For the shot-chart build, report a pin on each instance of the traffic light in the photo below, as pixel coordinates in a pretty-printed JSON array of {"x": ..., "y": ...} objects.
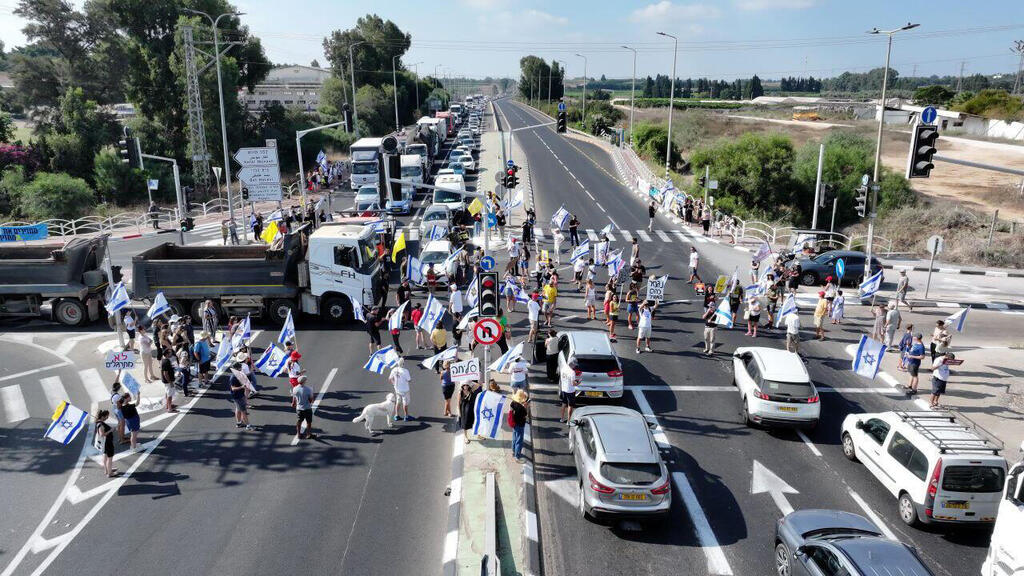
[
  {"x": 922, "y": 148},
  {"x": 245, "y": 193},
  {"x": 346, "y": 113},
  {"x": 702, "y": 181},
  {"x": 395, "y": 171},
  {"x": 488, "y": 290},
  {"x": 128, "y": 147},
  {"x": 862, "y": 201},
  {"x": 560, "y": 125}
]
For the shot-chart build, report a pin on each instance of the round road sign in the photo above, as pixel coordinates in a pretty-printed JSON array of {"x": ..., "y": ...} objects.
[
  {"x": 487, "y": 263},
  {"x": 486, "y": 331},
  {"x": 928, "y": 115}
]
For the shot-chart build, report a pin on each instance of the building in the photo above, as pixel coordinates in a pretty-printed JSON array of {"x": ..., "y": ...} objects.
[{"x": 290, "y": 86}]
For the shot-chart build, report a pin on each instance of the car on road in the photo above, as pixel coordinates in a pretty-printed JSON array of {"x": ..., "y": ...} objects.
[
  {"x": 620, "y": 470},
  {"x": 775, "y": 388},
  {"x": 834, "y": 543},
  {"x": 469, "y": 143},
  {"x": 456, "y": 166},
  {"x": 465, "y": 151},
  {"x": 940, "y": 466},
  {"x": 466, "y": 159},
  {"x": 436, "y": 252},
  {"x": 814, "y": 270},
  {"x": 587, "y": 358},
  {"x": 403, "y": 206},
  {"x": 367, "y": 194},
  {"x": 435, "y": 215}
]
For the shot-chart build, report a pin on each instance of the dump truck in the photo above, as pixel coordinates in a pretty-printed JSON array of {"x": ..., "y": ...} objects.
[{"x": 69, "y": 277}]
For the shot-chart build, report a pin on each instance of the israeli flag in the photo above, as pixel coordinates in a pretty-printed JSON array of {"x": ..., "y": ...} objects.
[
  {"x": 510, "y": 284},
  {"x": 473, "y": 293},
  {"x": 442, "y": 356},
  {"x": 869, "y": 357},
  {"x": 788, "y": 307},
  {"x": 560, "y": 217},
  {"x": 723, "y": 315},
  {"x": 242, "y": 334},
  {"x": 414, "y": 270},
  {"x": 224, "y": 350},
  {"x": 451, "y": 260},
  {"x": 490, "y": 409},
  {"x": 378, "y": 225},
  {"x": 275, "y": 215},
  {"x": 252, "y": 221},
  {"x": 159, "y": 306},
  {"x": 609, "y": 228},
  {"x": 381, "y": 360},
  {"x": 507, "y": 358},
  {"x": 288, "y": 330},
  {"x": 321, "y": 159},
  {"x": 518, "y": 293},
  {"x": 615, "y": 263},
  {"x": 763, "y": 251},
  {"x": 515, "y": 201},
  {"x": 118, "y": 298},
  {"x": 395, "y": 322},
  {"x": 734, "y": 281},
  {"x": 272, "y": 362},
  {"x": 432, "y": 313},
  {"x": 958, "y": 320},
  {"x": 470, "y": 315},
  {"x": 437, "y": 232},
  {"x": 753, "y": 290},
  {"x": 870, "y": 287},
  {"x": 580, "y": 251},
  {"x": 67, "y": 423},
  {"x": 357, "y": 309}
]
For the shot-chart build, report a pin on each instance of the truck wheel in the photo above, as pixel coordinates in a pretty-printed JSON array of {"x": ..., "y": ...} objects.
[
  {"x": 70, "y": 312},
  {"x": 278, "y": 310},
  {"x": 179, "y": 307},
  {"x": 336, "y": 309}
]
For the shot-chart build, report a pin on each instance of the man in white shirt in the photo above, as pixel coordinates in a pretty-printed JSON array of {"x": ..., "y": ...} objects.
[
  {"x": 577, "y": 272},
  {"x": 513, "y": 249},
  {"x": 940, "y": 376},
  {"x": 400, "y": 378},
  {"x": 567, "y": 398},
  {"x": 519, "y": 370},
  {"x": 455, "y": 300},
  {"x": 643, "y": 328},
  {"x": 793, "y": 332},
  {"x": 694, "y": 261},
  {"x": 533, "y": 313},
  {"x": 556, "y": 235}
]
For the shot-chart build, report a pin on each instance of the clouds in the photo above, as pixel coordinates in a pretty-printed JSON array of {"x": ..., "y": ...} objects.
[
  {"x": 545, "y": 18},
  {"x": 754, "y": 5},
  {"x": 665, "y": 11}
]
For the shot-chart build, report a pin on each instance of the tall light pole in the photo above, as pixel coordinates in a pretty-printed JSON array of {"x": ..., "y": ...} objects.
[
  {"x": 878, "y": 145},
  {"x": 584, "y": 90},
  {"x": 352, "y": 71},
  {"x": 671, "y": 100},
  {"x": 394, "y": 82},
  {"x": 220, "y": 95},
  {"x": 538, "y": 85},
  {"x": 632, "y": 94},
  {"x": 416, "y": 66}
]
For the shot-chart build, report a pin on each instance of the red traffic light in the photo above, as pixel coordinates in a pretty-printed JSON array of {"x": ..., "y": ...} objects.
[
  {"x": 511, "y": 172},
  {"x": 488, "y": 283}
]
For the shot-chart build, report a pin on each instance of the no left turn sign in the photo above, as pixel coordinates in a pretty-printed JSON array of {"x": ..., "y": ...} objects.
[{"x": 487, "y": 331}]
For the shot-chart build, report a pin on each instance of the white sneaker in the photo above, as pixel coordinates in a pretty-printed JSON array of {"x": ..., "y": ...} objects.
[
  {"x": 638, "y": 350},
  {"x": 647, "y": 349}
]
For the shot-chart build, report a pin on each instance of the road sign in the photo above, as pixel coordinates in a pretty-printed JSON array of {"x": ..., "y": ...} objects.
[
  {"x": 864, "y": 180},
  {"x": 510, "y": 163},
  {"x": 713, "y": 185},
  {"x": 256, "y": 156},
  {"x": 928, "y": 115},
  {"x": 259, "y": 176},
  {"x": 486, "y": 331},
  {"x": 492, "y": 220},
  {"x": 153, "y": 184},
  {"x": 119, "y": 360},
  {"x": 840, "y": 268},
  {"x": 561, "y": 106},
  {"x": 487, "y": 263},
  {"x": 466, "y": 371},
  {"x": 935, "y": 244},
  {"x": 499, "y": 178},
  {"x": 22, "y": 233},
  {"x": 260, "y": 172}
]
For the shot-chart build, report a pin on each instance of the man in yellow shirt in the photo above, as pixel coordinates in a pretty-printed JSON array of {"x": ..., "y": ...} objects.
[
  {"x": 550, "y": 298},
  {"x": 820, "y": 312}
]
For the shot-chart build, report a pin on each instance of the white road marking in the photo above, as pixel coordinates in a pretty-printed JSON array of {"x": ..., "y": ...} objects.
[
  {"x": 319, "y": 397},
  {"x": 611, "y": 237},
  {"x": 626, "y": 235},
  {"x": 33, "y": 371},
  {"x": 807, "y": 441},
  {"x": 601, "y": 207},
  {"x": 451, "y": 539},
  {"x": 871, "y": 514},
  {"x": 54, "y": 390},
  {"x": 592, "y": 235},
  {"x": 67, "y": 344},
  {"x": 14, "y": 403},
  {"x": 643, "y": 235},
  {"x": 664, "y": 237},
  {"x": 93, "y": 383},
  {"x": 680, "y": 235}
]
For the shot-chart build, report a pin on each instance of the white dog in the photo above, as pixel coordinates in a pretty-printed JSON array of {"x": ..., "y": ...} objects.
[{"x": 371, "y": 412}]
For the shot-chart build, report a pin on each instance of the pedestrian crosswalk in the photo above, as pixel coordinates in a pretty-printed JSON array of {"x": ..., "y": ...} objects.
[{"x": 38, "y": 397}]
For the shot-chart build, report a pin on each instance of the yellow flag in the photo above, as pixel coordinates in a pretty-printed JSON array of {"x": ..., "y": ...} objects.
[
  {"x": 475, "y": 206},
  {"x": 270, "y": 233},
  {"x": 399, "y": 246}
]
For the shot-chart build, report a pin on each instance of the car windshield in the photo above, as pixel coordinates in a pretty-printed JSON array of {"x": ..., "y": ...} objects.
[
  {"x": 596, "y": 364},
  {"x": 792, "y": 389},
  {"x": 973, "y": 479},
  {"x": 366, "y": 206},
  {"x": 631, "y": 473},
  {"x": 433, "y": 257},
  {"x": 364, "y": 167},
  {"x": 409, "y": 171},
  {"x": 442, "y": 196},
  {"x": 432, "y": 216},
  {"x": 823, "y": 258}
]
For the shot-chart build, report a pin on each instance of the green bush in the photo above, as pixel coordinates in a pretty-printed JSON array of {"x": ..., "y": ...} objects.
[
  {"x": 649, "y": 142},
  {"x": 118, "y": 183},
  {"x": 683, "y": 104},
  {"x": 998, "y": 104},
  {"x": 52, "y": 195}
]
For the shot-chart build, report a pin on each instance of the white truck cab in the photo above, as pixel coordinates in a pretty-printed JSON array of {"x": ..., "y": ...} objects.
[
  {"x": 343, "y": 269},
  {"x": 1006, "y": 552},
  {"x": 450, "y": 191}
]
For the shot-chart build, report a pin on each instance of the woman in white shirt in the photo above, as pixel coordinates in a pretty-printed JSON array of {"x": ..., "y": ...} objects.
[{"x": 146, "y": 351}]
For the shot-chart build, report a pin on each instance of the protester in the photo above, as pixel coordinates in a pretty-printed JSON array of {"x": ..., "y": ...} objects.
[
  {"x": 447, "y": 387},
  {"x": 878, "y": 327},
  {"x": 105, "y": 438},
  {"x": 506, "y": 331},
  {"x": 893, "y": 320},
  {"x": 904, "y": 347},
  {"x": 439, "y": 340},
  {"x": 132, "y": 423},
  {"x": 400, "y": 379},
  {"x": 421, "y": 335},
  {"x": 519, "y": 408},
  {"x": 146, "y": 351},
  {"x": 396, "y": 333},
  {"x": 820, "y": 311},
  {"x": 203, "y": 353},
  {"x": 533, "y": 315},
  {"x": 117, "y": 398},
  {"x": 838, "y": 308},
  {"x": 632, "y": 308},
  {"x": 209, "y": 319},
  {"x": 830, "y": 293},
  {"x": 792, "y": 321},
  {"x": 550, "y": 293},
  {"x": 373, "y": 322},
  {"x": 612, "y": 314},
  {"x": 902, "y": 286},
  {"x": 574, "y": 230},
  {"x": 237, "y": 392},
  {"x": 940, "y": 339},
  {"x": 551, "y": 355},
  {"x": 735, "y": 299},
  {"x": 940, "y": 376},
  {"x": 772, "y": 295},
  {"x": 710, "y": 325},
  {"x": 753, "y": 314},
  {"x": 914, "y": 358},
  {"x": 467, "y": 402},
  {"x": 302, "y": 396},
  {"x": 129, "y": 328},
  {"x": 652, "y": 211},
  {"x": 694, "y": 262},
  {"x": 590, "y": 299}
]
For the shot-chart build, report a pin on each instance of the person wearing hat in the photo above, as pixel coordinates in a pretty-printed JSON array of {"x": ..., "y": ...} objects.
[
  {"x": 913, "y": 362},
  {"x": 294, "y": 368},
  {"x": 533, "y": 315},
  {"x": 820, "y": 312},
  {"x": 519, "y": 369},
  {"x": 893, "y": 321},
  {"x": 246, "y": 362},
  {"x": 236, "y": 389},
  {"x": 830, "y": 292},
  {"x": 202, "y": 351},
  {"x": 519, "y": 408},
  {"x": 902, "y": 285}
]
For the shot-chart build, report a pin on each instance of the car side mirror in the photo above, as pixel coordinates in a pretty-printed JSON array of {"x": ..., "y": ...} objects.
[
  {"x": 801, "y": 552},
  {"x": 652, "y": 425},
  {"x": 859, "y": 425}
]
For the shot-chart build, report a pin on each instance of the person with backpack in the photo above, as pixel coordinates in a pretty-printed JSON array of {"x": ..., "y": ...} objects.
[{"x": 518, "y": 413}]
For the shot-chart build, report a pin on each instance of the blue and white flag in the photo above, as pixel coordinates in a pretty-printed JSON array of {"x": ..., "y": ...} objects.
[
  {"x": 437, "y": 232},
  {"x": 159, "y": 306},
  {"x": 381, "y": 360},
  {"x": 507, "y": 358},
  {"x": 357, "y": 309},
  {"x": 609, "y": 228},
  {"x": 272, "y": 362},
  {"x": 451, "y": 260},
  {"x": 580, "y": 251},
  {"x": 869, "y": 357},
  {"x": 378, "y": 225},
  {"x": 118, "y": 298},
  {"x": 788, "y": 307},
  {"x": 510, "y": 284},
  {"x": 414, "y": 270},
  {"x": 734, "y": 281},
  {"x": 275, "y": 215},
  {"x": 67, "y": 423},
  {"x": 287, "y": 331},
  {"x": 753, "y": 290},
  {"x": 432, "y": 313},
  {"x": 957, "y": 320},
  {"x": 473, "y": 293},
  {"x": 395, "y": 320},
  {"x": 252, "y": 221},
  {"x": 242, "y": 334},
  {"x": 869, "y": 287},
  {"x": 469, "y": 316},
  {"x": 490, "y": 409},
  {"x": 442, "y": 356},
  {"x": 723, "y": 315},
  {"x": 321, "y": 160},
  {"x": 615, "y": 264},
  {"x": 515, "y": 201},
  {"x": 560, "y": 217},
  {"x": 601, "y": 253},
  {"x": 223, "y": 355},
  {"x": 763, "y": 251}
]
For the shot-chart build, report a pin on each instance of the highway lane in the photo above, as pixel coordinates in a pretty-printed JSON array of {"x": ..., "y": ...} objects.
[{"x": 710, "y": 444}]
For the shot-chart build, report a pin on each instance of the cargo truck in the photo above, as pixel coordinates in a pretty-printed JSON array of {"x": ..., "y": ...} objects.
[
  {"x": 363, "y": 155},
  {"x": 321, "y": 272},
  {"x": 1006, "y": 551},
  {"x": 69, "y": 277}
]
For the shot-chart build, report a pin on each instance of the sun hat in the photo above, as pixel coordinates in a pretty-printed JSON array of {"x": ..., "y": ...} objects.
[
  {"x": 295, "y": 355},
  {"x": 519, "y": 396}
]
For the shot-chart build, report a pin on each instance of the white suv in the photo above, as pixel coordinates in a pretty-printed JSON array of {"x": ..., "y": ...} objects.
[
  {"x": 940, "y": 466},
  {"x": 775, "y": 388},
  {"x": 587, "y": 358}
]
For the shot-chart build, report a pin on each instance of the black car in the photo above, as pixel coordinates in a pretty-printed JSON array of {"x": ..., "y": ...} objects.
[{"x": 815, "y": 269}]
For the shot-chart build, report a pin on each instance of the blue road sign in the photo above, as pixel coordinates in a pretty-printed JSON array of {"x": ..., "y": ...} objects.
[
  {"x": 492, "y": 220},
  {"x": 561, "y": 106},
  {"x": 487, "y": 263},
  {"x": 928, "y": 115},
  {"x": 23, "y": 233},
  {"x": 840, "y": 268},
  {"x": 510, "y": 163}
]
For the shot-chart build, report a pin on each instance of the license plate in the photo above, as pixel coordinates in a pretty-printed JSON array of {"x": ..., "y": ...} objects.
[
  {"x": 592, "y": 394},
  {"x": 787, "y": 409},
  {"x": 636, "y": 496},
  {"x": 957, "y": 504}
]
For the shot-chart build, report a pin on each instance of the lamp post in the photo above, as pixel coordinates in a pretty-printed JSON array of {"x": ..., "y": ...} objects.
[
  {"x": 394, "y": 83},
  {"x": 416, "y": 66},
  {"x": 632, "y": 93},
  {"x": 352, "y": 71},
  {"x": 671, "y": 100},
  {"x": 584, "y": 90},
  {"x": 878, "y": 145},
  {"x": 220, "y": 95}
]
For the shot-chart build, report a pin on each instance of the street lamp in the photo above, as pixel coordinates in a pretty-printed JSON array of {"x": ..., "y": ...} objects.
[
  {"x": 584, "y": 90},
  {"x": 352, "y": 71},
  {"x": 632, "y": 93},
  {"x": 220, "y": 94},
  {"x": 416, "y": 66},
  {"x": 671, "y": 101},
  {"x": 394, "y": 82},
  {"x": 878, "y": 144}
]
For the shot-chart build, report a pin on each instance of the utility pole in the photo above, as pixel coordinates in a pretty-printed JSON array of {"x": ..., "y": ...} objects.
[
  {"x": 632, "y": 94},
  {"x": 671, "y": 101},
  {"x": 352, "y": 72},
  {"x": 394, "y": 82},
  {"x": 1018, "y": 47},
  {"x": 584, "y": 90},
  {"x": 817, "y": 187},
  {"x": 960, "y": 79},
  {"x": 196, "y": 127}
]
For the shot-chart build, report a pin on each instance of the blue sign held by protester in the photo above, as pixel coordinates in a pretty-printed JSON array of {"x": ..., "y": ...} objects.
[
  {"x": 492, "y": 220},
  {"x": 487, "y": 263},
  {"x": 840, "y": 268},
  {"x": 929, "y": 114},
  {"x": 24, "y": 233}
]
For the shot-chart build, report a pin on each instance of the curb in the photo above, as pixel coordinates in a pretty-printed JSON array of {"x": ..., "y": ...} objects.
[
  {"x": 971, "y": 272},
  {"x": 450, "y": 548},
  {"x": 531, "y": 526},
  {"x": 1002, "y": 306}
]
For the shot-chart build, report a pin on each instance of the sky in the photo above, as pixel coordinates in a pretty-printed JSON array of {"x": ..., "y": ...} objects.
[{"x": 724, "y": 39}]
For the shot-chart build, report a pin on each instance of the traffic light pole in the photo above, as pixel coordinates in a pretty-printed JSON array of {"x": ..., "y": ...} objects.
[{"x": 182, "y": 212}]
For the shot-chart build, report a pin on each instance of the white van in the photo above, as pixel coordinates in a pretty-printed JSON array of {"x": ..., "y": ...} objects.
[
  {"x": 412, "y": 169},
  {"x": 940, "y": 466},
  {"x": 1005, "y": 554},
  {"x": 451, "y": 192}
]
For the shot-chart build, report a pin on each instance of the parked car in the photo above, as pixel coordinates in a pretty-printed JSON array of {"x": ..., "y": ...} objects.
[
  {"x": 775, "y": 388},
  {"x": 620, "y": 470},
  {"x": 1004, "y": 557},
  {"x": 435, "y": 215},
  {"x": 940, "y": 466},
  {"x": 436, "y": 252},
  {"x": 813, "y": 271},
  {"x": 588, "y": 359},
  {"x": 831, "y": 542}
]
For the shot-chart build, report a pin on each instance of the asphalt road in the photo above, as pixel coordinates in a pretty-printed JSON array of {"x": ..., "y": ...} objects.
[{"x": 730, "y": 530}]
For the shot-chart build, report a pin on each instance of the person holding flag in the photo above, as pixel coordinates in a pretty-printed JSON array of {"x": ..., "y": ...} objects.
[
  {"x": 559, "y": 218},
  {"x": 104, "y": 436},
  {"x": 957, "y": 320}
]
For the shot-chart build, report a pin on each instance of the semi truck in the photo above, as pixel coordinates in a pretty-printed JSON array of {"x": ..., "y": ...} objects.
[
  {"x": 449, "y": 120},
  {"x": 321, "y": 272},
  {"x": 363, "y": 155},
  {"x": 69, "y": 277},
  {"x": 1006, "y": 551},
  {"x": 432, "y": 132}
]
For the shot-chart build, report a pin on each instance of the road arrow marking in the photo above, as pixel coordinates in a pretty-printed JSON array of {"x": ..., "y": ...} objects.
[
  {"x": 75, "y": 495},
  {"x": 764, "y": 480}
]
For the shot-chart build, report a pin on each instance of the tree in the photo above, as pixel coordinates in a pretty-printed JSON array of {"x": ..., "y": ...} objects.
[
  {"x": 533, "y": 82},
  {"x": 6, "y": 127},
  {"x": 990, "y": 103},
  {"x": 118, "y": 183},
  {"x": 755, "y": 87},
  {"x": 933, "y": 96},
  {"x": 375, "y": 108},
  {"x": 649, "y": 141},
  {"x": 333, "y": 98},
  {"x": 315, "y": 63},
  {"x": 55, "y": 196},
  {"x": 381, "y": 41},
  {"x": 754, "y": 169}
]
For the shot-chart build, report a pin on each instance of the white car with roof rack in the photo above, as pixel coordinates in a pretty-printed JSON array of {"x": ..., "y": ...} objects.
[{"x": 941, "y": 466}]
